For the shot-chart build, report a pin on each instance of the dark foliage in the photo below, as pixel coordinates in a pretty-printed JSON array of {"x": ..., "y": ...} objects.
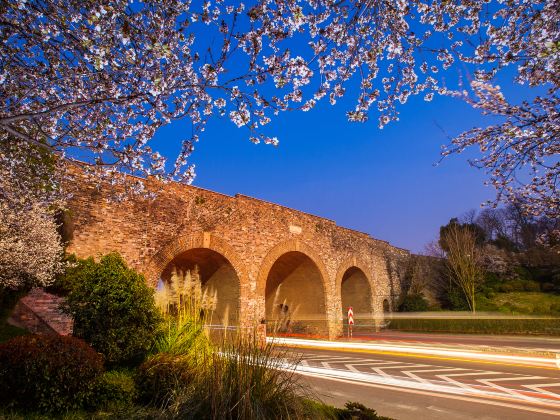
[
  {"x": 414, "y": 303},
  {"x": 480, "y": 236},
  {"x": 454, "y": 299},
  {"x": 47, "y": 373},
  {"x": 357, "y": 411},
  {"x": 113, "y": 390}
]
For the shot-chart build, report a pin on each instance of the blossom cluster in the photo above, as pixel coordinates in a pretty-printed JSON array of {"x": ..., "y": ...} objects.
[{"x": 95, "y": 79}]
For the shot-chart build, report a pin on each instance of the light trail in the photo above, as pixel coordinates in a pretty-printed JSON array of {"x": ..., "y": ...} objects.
[
  {"x": 542, "y": 362},
  {"x": 538, "y": 407},
  {"x": 519, "y": 396}
]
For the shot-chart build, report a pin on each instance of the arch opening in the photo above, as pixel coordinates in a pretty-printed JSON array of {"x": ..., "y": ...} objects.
[
  {"x": 356, "y": 293},
  {"x": 218, "y": 279},
  {"x": 386, "y": 307},
  {"x": 295, "y": 296}
]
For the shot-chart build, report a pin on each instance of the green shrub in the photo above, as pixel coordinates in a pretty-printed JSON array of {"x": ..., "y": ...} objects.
[
  {"x": 111, "y": 390},
  {"x": 456, "y": 299},
  {"x": 555, "y": 307},
  {"x": 351, "y": 411},
  {"x": 414, "y": 303},
  {"x": 523, "y": 273},
  {"x": 531, "y": 286},
  {"x": 357, "y": 411},
  {"x": 47, "y": 373},
  {"x": 113, "y": 310}
]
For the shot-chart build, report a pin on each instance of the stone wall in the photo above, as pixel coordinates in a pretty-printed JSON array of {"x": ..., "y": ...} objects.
[{"x": 251, "y": 234}]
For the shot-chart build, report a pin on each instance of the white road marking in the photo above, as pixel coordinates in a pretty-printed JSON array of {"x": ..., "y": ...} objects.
[
  {"x": 351, "y": 367},
  {"x": 440, "y": 393},
  {"x": 381, "y": 370},
  {"x": 446, "y": 377},
  {"x": 460, "y": 384},
  {"x": 540, "y": 390},
  {"x": 411, "y": 373},
  {"x": 490, "y": 382}
]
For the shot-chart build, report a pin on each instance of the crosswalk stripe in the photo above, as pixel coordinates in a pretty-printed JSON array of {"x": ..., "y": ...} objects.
[
  {"x": 510, "y": 391},
  {"x": 539, "y": 388},
  {"x": 411, "y": 373},
  {"x": 447, "y": 377},
  {"x": 351, "y": 367},
  {"x": 381, "y": 370}
]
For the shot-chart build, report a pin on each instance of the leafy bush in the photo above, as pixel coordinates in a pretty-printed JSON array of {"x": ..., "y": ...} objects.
[
  {"x": 113, "y": 310},
  {"x": 357, "y": 411},
  {"x": 114, "y": 389},
  {"x": 519, "y": 285},
  {"x": 456, "y": 299},
  {"x": 351, "y": 411},
  {"x": 555, "y": 307},
  {"x": 414, "y": 303},
  {"x": 47, "y": 373}
]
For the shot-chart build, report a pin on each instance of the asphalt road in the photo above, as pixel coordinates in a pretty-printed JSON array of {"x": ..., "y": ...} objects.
[
  {"x": 536, "y": 343},
  {"x": 408, "y": 387}
]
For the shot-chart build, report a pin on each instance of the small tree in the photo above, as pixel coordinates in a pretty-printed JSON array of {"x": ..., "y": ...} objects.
[
  {"x": 463, "y": 260},
  {"x": 113, "y": 309},
  {"x": 30, "y": 248}
]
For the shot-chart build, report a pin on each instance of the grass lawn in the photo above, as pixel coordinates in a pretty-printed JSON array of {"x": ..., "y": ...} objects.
[{"x": 533, "y": 303}]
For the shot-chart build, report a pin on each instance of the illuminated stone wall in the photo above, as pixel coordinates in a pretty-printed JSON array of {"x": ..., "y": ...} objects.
[{"x": 251, "y": 234}]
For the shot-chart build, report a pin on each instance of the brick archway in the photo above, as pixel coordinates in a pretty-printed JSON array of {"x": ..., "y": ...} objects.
[
  {"x": 349, "y": 262},
  {"x": 315, "y": 315},
  {"x": 355, "y": 274},
  {"x": 185, "y": 242},
  {"x": 292, "y": 245}
]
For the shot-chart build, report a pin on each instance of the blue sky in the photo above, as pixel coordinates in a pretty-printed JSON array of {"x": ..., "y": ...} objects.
[{"x": 382, "y": 182}]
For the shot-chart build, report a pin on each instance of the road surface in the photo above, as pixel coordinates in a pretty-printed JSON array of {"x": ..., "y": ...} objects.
[
  {"x": 535, "y": 343},
  {"x": 417, "y": 387}
]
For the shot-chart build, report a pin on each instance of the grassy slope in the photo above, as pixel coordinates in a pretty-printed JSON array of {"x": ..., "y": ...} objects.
[
  {"x": 511, "y": 303},
  {"x": 533, "y": 303}
]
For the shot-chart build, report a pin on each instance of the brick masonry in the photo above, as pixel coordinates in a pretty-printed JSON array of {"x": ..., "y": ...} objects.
[
  {"x": 251, "y": 234},
  {"x": 39, "y": 312}
]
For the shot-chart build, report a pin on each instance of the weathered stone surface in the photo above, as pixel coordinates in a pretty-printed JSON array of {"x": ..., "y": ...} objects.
[{"x": 251, "y": 234}]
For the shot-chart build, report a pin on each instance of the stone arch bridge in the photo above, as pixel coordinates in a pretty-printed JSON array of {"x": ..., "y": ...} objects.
[{"x": 297, "y": 271}]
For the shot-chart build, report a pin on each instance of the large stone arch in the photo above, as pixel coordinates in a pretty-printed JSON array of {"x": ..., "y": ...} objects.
[
  {"x": 184, "y": 242},
  {"x": 349, "y": 262},
  {"x": 289, "y": 247},
  {"x": 354, "y": 262},
  {"x": 189, "y": 242}
]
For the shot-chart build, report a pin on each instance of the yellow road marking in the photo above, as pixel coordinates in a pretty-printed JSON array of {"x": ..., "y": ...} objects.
[{"x": 421, "y": 356}]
